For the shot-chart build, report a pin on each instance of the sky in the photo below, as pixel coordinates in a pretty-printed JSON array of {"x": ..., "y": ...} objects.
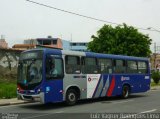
[{"x": 20, "y": 20}]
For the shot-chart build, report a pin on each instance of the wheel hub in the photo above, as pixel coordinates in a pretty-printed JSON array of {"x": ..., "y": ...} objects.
[{"x": 71, "y": 97}]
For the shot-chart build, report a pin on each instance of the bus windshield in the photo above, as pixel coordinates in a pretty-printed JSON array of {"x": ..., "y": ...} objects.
[{"x": 30, "y": 68}]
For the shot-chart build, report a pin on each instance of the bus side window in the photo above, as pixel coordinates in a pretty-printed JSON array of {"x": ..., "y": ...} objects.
[
  {"x": 119, "y": 66},
  {"x": 72, "y": 64},
  {"x": 132, "y": 67},
  {"x": 89, "y": 65},
  {"x": 54, "y": 68},
  {"x": 105, "y": 65},
  {"x": 142, "y": 67}
]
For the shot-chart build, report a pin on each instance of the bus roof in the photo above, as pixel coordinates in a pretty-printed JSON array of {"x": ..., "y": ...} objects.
[
  {"x": 90, "y": 54},
  {"x": 100, "y": 55}
]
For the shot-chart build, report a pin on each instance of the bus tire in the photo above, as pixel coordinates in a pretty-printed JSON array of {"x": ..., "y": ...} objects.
[
  {"x": 71, "y": 97},
  {"x": 125, "y": 91}
]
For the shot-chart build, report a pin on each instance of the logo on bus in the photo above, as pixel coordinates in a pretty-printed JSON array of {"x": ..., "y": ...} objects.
[
  {"x": 92, "y": 79},
  {"x": 89, "y": 79},
  {"x": 124, "y": 78}
]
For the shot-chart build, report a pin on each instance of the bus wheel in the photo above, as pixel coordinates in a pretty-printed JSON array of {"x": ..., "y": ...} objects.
[
  {"x": 71, "y": 97},
  {"x": 125, "y": 91}
]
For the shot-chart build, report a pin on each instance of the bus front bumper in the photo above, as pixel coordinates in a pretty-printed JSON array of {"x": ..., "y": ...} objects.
[{"x": 36, "y": 97}]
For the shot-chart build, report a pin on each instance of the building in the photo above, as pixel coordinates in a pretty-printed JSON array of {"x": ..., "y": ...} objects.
[
  {"x": 3, "y": 44},
  {"x": 66, "y": 45},
  {"x": 32, "y": 43},
  {"x": 155, "y": 61},
  {"x": 76, "y": 46},
  {"x": 79, "y": 46},
  {"x": 52, "y": 43},
  {"x": 23, "y": 46}
]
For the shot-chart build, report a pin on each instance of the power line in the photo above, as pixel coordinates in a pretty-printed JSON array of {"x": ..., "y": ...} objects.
[
  {"x": 88, "y": 17},
  {"x": 73, "y": 13}
]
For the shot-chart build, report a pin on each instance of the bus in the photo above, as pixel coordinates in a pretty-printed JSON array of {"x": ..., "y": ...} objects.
[{"x": 79, "y": 75}]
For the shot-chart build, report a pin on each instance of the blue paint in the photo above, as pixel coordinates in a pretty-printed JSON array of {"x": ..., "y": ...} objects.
[{"x": 54, "y": 94}]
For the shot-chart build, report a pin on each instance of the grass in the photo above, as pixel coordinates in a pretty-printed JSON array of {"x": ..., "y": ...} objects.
[
  {"x": 7, "y": 90},
  {"x": 8, "y": 87}
]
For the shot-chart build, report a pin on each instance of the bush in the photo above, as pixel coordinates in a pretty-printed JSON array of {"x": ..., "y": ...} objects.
[{"x": 156, "y": 76}]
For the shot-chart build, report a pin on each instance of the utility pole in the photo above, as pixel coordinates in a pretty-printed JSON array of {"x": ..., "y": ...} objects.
[
  {"x": 155, "y": 47},
  {"x": 155, "y": 55},
  {"x": 71, "y": 42}
]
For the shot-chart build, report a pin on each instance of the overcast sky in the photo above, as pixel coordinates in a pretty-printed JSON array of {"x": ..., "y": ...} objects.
[{"x": 21, "y": 20}]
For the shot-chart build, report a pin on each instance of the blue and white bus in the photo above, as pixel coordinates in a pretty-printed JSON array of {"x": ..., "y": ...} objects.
[{"x": 79, "y": 75}]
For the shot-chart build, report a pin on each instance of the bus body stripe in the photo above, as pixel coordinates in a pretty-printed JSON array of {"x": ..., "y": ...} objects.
[
  {"x": 97, "y": 87},
  {"x": 112, "y": 85},
  {"x": 105, "y": 87},
  {"x": 100, "y": 87}
]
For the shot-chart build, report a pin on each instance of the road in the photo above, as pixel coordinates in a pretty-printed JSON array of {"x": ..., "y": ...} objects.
[{"x": 141, "y": 103}]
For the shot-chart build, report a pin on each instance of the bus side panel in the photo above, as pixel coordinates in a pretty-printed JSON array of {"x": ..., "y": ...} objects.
[
  {"x": 54, "y": 90},
  {"x": 108, "y": 85},
  {"x": 98, "y": 85},
  {"x": 137, "y": 83},
  {"x": 75, "y": 80},
  {"x": 144, "y": 84}
]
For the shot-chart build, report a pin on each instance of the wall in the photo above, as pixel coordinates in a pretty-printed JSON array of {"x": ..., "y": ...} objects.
[
  {"x": 3, "y": 43},
  {"x": 9, "y": 63}
]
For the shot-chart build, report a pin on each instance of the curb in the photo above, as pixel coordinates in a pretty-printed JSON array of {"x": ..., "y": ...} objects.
[{"x": 14, "y": 103}]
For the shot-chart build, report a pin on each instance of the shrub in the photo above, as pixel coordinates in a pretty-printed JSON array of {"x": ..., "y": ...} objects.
[{"x": 156, "y": 76}]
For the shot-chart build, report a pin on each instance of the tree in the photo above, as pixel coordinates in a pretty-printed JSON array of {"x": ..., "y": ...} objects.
[
  {"x": 121, "y": 40},
  {"x": 156, "y": 76}
]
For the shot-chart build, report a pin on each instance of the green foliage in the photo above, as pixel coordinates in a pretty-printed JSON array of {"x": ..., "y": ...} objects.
[
  {"x": 8, "y": 82},
  {"x": 121, "y": 40},
  {"x": 156, "y": 76},
  {"x": 153, "y": 84},
  {"x": 7, "y": 90}
]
